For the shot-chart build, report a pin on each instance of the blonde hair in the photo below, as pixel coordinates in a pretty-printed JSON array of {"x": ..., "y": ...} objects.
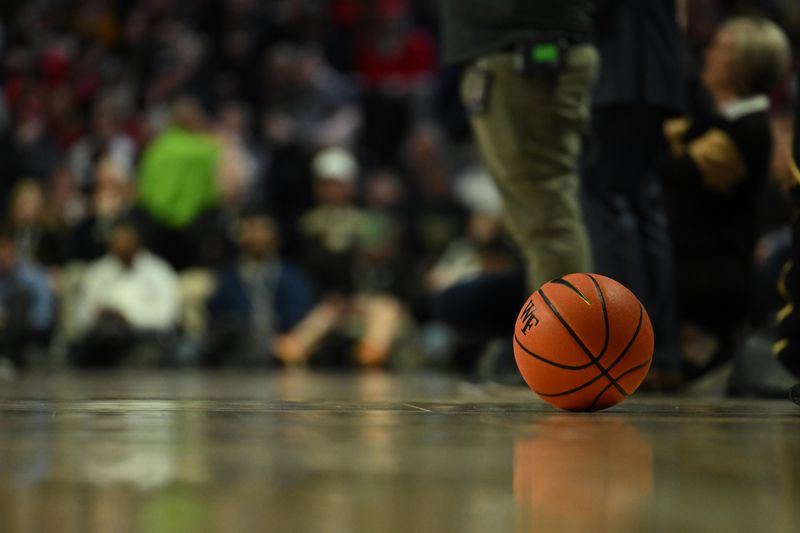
[{"x": 763, "y": 54}]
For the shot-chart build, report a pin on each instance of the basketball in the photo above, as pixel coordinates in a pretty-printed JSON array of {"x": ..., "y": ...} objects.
[{"x": 583, "y": 342}]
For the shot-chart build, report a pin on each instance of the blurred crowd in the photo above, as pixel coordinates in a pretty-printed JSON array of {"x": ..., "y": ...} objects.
[{"x": 235, "y": 182}]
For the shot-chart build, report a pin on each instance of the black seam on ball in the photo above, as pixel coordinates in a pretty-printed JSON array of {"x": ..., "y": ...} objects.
[
  {"x": 603, "y": 371},
  {"x": 611, "y": 367},
  {"x": 548, "y": 361}
]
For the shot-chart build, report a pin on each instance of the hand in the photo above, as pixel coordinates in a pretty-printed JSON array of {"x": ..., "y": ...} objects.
[
  {"x": 674, "y": 130},
  {"x": 106, "y": 314}
]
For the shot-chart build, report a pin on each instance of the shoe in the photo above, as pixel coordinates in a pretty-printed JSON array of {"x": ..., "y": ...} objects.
[
  {"x": 662, "y": 382},
  {"x": 756, "y": 373},
  {"x": 794, "y": 394},
  {"x": 498, "y": 365}
]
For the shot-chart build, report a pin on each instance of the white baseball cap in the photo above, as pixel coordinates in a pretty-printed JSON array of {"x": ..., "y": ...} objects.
[{"x": 335, "y": 164}]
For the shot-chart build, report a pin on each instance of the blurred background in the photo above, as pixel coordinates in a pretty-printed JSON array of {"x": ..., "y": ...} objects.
[{"x": 244, "y": 183}]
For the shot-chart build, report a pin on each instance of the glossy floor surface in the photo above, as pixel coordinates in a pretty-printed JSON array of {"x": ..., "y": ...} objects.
[{"x": 298, "y": 452}]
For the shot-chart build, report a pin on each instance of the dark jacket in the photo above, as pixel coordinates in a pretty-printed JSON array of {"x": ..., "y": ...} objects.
[
  {"x": 293, "y": 297},
  {"x": 640, "y": 49},
  {"x": 473, "y": 28},
  {"x": 712, "y": 182}
]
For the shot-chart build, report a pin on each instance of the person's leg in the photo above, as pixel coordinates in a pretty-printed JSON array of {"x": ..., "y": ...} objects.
[
  {"x": 481, "y": 311},
  {"x": 529, "y": 134},
  {"x": 612, "y": 166},
  {"x": 614, "y": 236},
  {"x": 296, "y": 347},
  {"x": 714, "y": 307},
  {"x": 487, "y": 305},
  {"x": 104, "y": 346},
  {"x": 627, "y": 223},
  {"x": 17, "y": 333},
  {"x": 383, "y": 316},
  {"x": 660, "y": 296},
  {"x": 630, "y": 241},
  {"x": 102, "y": 351}
]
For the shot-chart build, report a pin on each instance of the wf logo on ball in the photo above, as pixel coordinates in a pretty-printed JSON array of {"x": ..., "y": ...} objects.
[{"x": 529, "y": 318}]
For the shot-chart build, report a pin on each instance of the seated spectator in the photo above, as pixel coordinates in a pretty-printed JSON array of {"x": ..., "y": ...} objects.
[
  {"x": 437, "y": 218},
  {"x": 67, "y": 205},
  {"x": 483, "y": 250},
  {"x": 718, "y": 163},
  {"x": 329, "y": 231},
  {"x": 384, "y": 260},
  {"x": 477, "y": 284},
  {"x": 362, "y": 329},
  {"x": 384, "y": 274},
  {"x": 112, "y": 197},
  {"x": 27, "y": 306},
  {"x": 177, "y": 187},
  {"x": 257, "y": 299},
  {"x": 129, "y": 299},
  {"x": 37, "y": 238},
  {"x": 105, "y": 138},
  {"x": 349, "y": 252}
]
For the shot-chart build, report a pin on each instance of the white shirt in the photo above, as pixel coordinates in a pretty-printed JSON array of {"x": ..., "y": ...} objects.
[
  {"x": 747, "y": 105},
  {"x": 146, "y": 294}
]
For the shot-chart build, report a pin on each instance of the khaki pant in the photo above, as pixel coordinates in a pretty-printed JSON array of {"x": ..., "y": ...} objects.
[{"x": 529, "y": 131}]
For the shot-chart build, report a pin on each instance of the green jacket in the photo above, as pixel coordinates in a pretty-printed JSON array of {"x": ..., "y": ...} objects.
[
  {"x": 177, "y": 176},
  {"x": 473, "y": 28}
]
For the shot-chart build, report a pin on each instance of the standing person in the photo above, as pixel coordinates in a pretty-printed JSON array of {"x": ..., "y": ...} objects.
[
  {"x": 177, "y": 189},
  {"x": 528, "y": 70},
  {"x": 27, "y": 304},
  {"x": 639, "y": 86}
]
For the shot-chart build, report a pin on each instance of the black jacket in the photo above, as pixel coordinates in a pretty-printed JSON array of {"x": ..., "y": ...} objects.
[
  {"x": 640, "y": 48},
  {"x": 473, "y": 28},
  {"x": 712, "y": 186}
]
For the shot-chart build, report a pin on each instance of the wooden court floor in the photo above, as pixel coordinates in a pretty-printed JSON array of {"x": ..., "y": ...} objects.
[{"x": 303, "y": 452}]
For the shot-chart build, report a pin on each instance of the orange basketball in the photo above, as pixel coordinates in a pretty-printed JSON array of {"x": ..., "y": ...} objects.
[{"x": 583, "y": 342}]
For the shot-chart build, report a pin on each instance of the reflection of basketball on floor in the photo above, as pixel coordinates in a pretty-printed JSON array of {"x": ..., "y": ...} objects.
[
  {"x": 582, "y": 474},
  {"x": 583, "y": 342}
]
